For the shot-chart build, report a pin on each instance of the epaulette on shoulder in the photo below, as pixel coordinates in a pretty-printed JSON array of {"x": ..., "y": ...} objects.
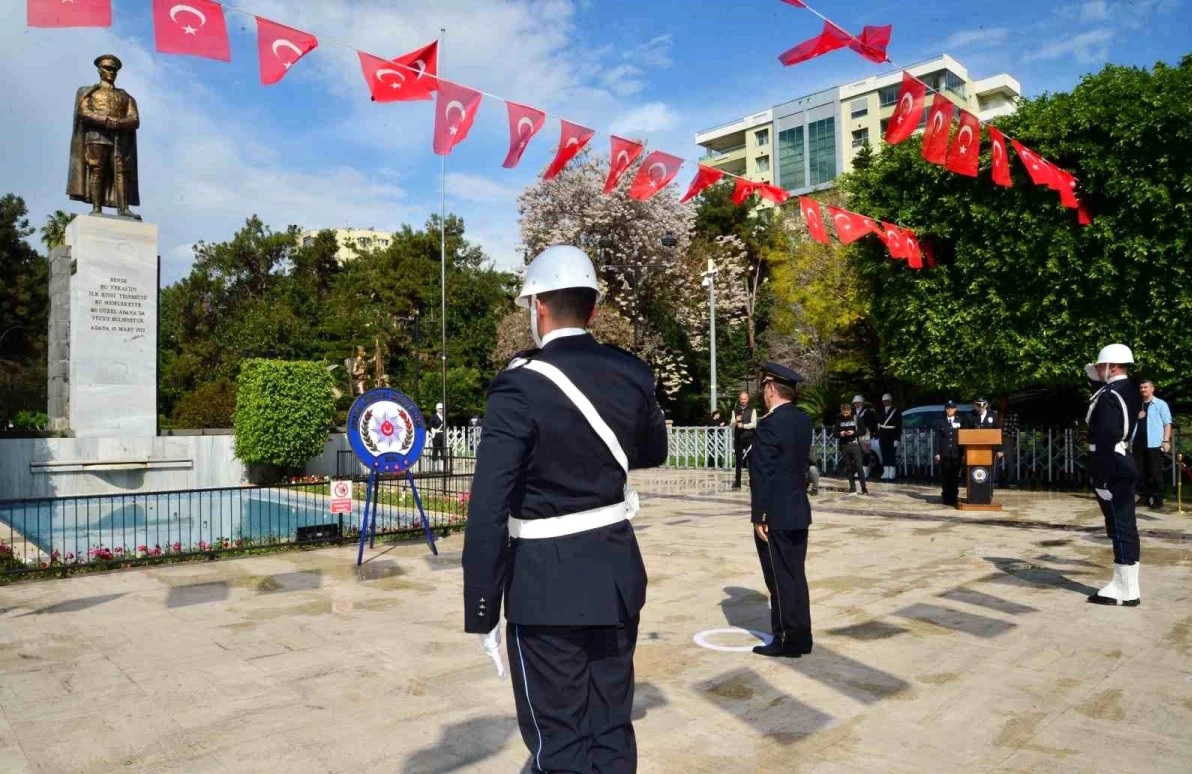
[{"x": 521, "y": 358}]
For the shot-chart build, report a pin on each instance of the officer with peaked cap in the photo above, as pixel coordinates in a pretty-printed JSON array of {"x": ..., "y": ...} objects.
[
  {"x": 1112, "y": 417},
  {"x": 781, "y": 511},
  {"x": 438, "y": 433},
  {"x": 947, "y": 454},
  {"x": 549, "y": 530}
]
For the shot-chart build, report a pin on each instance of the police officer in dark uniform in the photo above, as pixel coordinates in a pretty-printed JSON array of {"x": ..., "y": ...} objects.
[
  {"x": 548, "y": 528},
  {"x": 781, "y": 512},
  {"x": 947, "y": 453},
  {"x": 889, "y": 435},
  {"x": 1112, "y": 418}
]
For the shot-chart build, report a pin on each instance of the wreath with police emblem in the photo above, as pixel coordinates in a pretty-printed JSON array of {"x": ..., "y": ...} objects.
[{"x": 386, "y": 424}]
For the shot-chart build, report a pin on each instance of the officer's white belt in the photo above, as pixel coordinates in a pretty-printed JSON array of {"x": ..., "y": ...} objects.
[
  {"x": 1119, "y": 447},
  {"x": 558, "y": 526}
]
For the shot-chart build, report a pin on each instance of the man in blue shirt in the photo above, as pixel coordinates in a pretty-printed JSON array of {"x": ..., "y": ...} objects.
[{"x": 1152, "y": 440}]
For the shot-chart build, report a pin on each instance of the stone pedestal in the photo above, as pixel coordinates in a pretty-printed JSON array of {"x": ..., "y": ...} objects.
[{"x": 103, "y": 329}]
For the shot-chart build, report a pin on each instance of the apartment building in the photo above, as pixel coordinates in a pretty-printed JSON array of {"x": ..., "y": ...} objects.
[
  {"x": 350, "y": 240},
  {"x": 804, "y": 144}
]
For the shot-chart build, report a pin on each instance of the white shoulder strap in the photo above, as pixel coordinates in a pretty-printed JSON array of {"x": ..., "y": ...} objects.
[{"x": 585, "y": 407}]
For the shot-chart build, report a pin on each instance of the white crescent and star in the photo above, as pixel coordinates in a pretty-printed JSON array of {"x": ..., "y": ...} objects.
[
  {"x": 903, "y": 113},
  {"x": 848, "y": 226},
  {"x": 528, "y": 124},
  {"x": 571, "y": 141},
  {"x": 622, "y": 154},
  {"x": 189, "y": 30},
  {"x": 964, "y": 144},
  {"x": 452, "y": 105},
  {"x": 937, "y": 121},
  {"x": 389, "y": 71},
  {"x": 283, "y": 43},
  {"x": 420, "y": 66},
  {"x": 650, "y": 172}
]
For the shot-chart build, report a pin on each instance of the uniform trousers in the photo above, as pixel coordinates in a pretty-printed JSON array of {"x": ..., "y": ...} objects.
[
  {"x": 854, "y": 464},
  {"x": 950, "y": 468},
  {"x": 740, "y": 444},
  {"x": 889, "y": 458},
  {"x": 783, "y": 557},
  {"x": 573, "y": 688},
  {"x": 1150, "y": 469},
  {"x": 1121, "y": 524}
]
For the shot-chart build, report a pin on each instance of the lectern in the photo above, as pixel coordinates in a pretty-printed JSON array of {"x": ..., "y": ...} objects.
[{"x": 979, "y": 457}]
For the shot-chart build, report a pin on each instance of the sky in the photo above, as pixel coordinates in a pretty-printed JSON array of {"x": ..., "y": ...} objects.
[{"x": 217, "y": 147}]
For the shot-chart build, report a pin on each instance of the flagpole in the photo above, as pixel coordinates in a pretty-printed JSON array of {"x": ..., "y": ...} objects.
[{"x": 443, "y": 258}]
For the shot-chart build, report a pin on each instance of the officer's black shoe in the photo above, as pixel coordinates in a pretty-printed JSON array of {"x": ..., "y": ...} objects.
[{"x": 776, "y": 649}]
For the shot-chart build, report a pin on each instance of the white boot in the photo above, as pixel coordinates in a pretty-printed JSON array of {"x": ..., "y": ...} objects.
[
  {"x": 1113, "y": 592},
  {"x": 1132, "y": 595},
  {"x": 893, "y": 472}
]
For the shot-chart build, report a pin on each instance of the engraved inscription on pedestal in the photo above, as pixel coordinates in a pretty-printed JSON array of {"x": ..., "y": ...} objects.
[{"x": 112, "y": 350}]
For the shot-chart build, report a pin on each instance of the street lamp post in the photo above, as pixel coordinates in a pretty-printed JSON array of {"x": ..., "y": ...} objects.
[
  {"x": 710, "y": 282},
  {"x": 606, "y": 242}
]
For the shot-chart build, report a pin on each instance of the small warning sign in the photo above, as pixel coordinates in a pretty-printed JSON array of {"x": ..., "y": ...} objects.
[{"x": 341, "y": 496}]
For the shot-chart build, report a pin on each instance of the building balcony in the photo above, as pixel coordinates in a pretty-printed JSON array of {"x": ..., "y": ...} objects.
[{"x": 725, "y": 156}]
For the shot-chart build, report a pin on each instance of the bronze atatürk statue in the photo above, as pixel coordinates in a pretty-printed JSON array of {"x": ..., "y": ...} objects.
[{"x": 103, "y": 147}]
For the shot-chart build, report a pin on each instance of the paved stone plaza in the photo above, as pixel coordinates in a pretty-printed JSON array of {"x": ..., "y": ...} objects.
[{"x": 945, "y": 642}]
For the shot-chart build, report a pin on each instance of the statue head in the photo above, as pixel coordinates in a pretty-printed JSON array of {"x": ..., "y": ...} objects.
[{"x": 108, "y": 65}]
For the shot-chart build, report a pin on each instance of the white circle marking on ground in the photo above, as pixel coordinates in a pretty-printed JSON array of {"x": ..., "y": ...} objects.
[{"x": 701, "y": 639}]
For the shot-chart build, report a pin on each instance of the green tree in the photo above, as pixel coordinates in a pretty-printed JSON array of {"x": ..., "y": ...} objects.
[
  {"x": 24, "y": 309},
  {"x": 283, "y": 413},
  {"x": 53, "y": 233},
  {"x": 1022, "y": 294}
]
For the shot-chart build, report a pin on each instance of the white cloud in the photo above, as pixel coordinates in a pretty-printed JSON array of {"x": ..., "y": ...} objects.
[
  {"x": 623, "y": 80},
  {"x": 644, "y": 120},
  {"x": 978, "y": 38},
  {"x": 478, "y": 188},
  {"x": 1094, "y": 11},
  {"x": 1086, "y": 47}
]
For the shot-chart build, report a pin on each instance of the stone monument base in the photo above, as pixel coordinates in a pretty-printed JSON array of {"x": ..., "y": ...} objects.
[{"x": 103, "y": 329}]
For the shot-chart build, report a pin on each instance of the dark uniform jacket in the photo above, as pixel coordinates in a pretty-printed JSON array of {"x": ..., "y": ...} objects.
[
  {"x": 866, "y": 421},
  {"x": 778, "y": 469},
  {"x": 1112, "y": 417},
  {"x": 974, "y": 421},
  {"x": 947, "y": 438},
  {"x": 889, "y": 425},
  {"x": 848, "y": 432},
  {"x": 539, "y": 458}
]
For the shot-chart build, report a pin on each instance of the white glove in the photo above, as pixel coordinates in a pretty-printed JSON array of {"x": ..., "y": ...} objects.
[
  {"x": 1104, "y": 494},
  {"x": 896, "y": 444},
  {"x": 492, "y": 646}
]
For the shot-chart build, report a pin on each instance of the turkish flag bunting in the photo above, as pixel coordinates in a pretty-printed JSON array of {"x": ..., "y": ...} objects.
[
  {"x": 814, "y": 219},
  {"x": 1041, "y": 172},
  {"x": 745, "y": 189},
  {"x": 1065, "y": 183},
  {"x": 1082, "y": 216},
  {"x": 939, "y": 126},
  {"x": 194, "y": 28},
  {"x": 964, "y": 155},
  {"x": 905, "y": 119},
  {"x": 849, "y": 225},
  {"x": 795, "y": 3},
  {"x": 914, "y": 256},
  {"x": 873, "y": 42},
  {"x": 870, "y": 224},
  {"x": 894, "y": 239},
  {"x": 572, "y": 139},
  {"x": 524, "y": 123},
  {"x": 76, "y": 13},
  {"x": 622, "y": 154},
  {"x": 654, "y": 174},
  {"x": 704, "y": 177},
  {"x": 773, "y": 193},
  {"x": 830, "y": 39},
  {"x": 455, "y": 110},
  {"x": 408, "y": 77},
  {"x": 279, "y": 47},
  {"x": 1001, "y": 164}
]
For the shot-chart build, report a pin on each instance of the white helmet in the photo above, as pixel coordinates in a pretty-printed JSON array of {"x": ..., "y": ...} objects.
[
  {"x": 858, "y": 399},
  {"x": 1115, "y": 353},
  {"x": 555, "y": 268},
  {"x": 888, "y": 396}
]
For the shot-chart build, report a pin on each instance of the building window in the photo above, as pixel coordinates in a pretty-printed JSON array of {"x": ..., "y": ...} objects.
[
  {"x": 762, "y": 163},
  {"x": 884, "y": 126},
  {"x": 790, "y": 159},
  {"x": 763, "y": 137},
  {"x": 860, "y": 137},
  {"x": 821, "y": 150},
  {"x": 954, "y": 83},
  {"x": 308, "y": 241},
  {"x": 859, "y": 108},
  {"x": 888, "y": 95}
]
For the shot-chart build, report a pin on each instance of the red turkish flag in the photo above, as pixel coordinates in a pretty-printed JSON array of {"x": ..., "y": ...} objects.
[
  {"x": 524, "y": 123},
  {"x": 622, "y": 154},
  {"x": 830, "y": 39},
  {"x": 704, "y": 177},
  {"x": 773, "y": 193},
  {"x": 455, "y": 110},
  {"x": 814, "y": 219},
  {"x": 193, "y": 27},
  {"x": 654, "y": 174},
  {"x": 905, "y": 119},
  {"x": 894, "y": 239},
  {"x": 76, "y": 13},
  {"x": 929, "y": 255},
  {"x": 279, "y": 47},
  {"x": 870, "y": 224},
  {"x": 1036, "y": 166},
  {"x": 1082, "y": 216},
  {"x": 572, "y": 139},
  {"x": 744, "y": 189},
  {"x": 849, "y": 225},
  {"x": 873, "y": 43},
  {"x": 964, "y": 155},
  {"x": 939, "y": 126},
  {"x": 795, "y": 3},
  {"x": 1065, "y": 184},
  {"x": 914, "y": 256},
  {"x": 404, "y": 78},
  {"x": 1001, "y": 164}
]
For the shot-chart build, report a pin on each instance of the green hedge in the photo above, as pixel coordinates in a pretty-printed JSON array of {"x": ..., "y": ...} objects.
[{"x": 283, "y": 412}]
